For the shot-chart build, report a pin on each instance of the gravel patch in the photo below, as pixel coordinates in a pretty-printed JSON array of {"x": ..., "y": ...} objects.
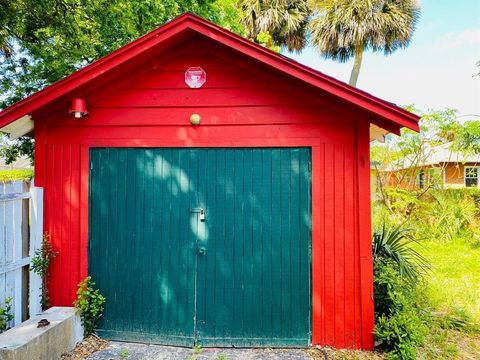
[{"x": 132, "y": 351}]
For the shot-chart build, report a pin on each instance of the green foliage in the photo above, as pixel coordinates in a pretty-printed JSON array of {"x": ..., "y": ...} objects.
[
  {"x": 340, "y": 27},
  {"x": 43, "y": 257},
  {"x": 44, "y": 41},
  {"x": 50, "y": 39},
  {"x": 16, "y": 174},
  {"x": 444, "y": 299},
  {"x": 343, "y": 29},
  {"x": 454, "y": 284},
  {"x": 452, "y": 213},
  {"x": 40, "y": 264},
  {"x": 90, "y": 304},
  {"x": 436, "y": 127},
  {"x": 196, "y": 352},
  {"x": 440, "y": 214},
  {"x": 400, "y": 324},
  {"x": 6, "y": 314},
  {"x": 284, "y": 21},
  {"x": 396, "y": 244},
  {"x": 123, "y": 353},
  {"x": 468, "y": 138},
  {"x": 265, "y": 39},
  {"x": 401, "y": 320},
  {"x": 11, "y": 150}
]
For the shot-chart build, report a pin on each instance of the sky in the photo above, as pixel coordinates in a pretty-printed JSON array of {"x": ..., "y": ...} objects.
[{"x": 435, "y": 72}]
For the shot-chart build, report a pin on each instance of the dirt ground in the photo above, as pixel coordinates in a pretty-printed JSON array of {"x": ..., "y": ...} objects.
[
  {"x": 456, "y": 346},
  {"x": 94, "y": 348},
  {"x": 87, "y": 347}
]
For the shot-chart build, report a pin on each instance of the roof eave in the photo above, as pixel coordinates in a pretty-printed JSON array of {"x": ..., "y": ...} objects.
[{"x": 379, "y": 108}]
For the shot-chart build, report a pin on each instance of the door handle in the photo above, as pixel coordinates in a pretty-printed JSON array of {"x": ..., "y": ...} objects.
[
  {"x": 200, "y": 212},
  {"x": 201, "y": 250}
]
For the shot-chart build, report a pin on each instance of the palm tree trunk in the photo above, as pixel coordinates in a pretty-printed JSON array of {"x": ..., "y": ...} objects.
[{"x": 356, "y": 65}]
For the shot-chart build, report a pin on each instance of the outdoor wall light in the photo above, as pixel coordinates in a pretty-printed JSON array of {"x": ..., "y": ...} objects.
[
  {"x": 78, "y": 108},
  {"x": 195, "y": 119}
]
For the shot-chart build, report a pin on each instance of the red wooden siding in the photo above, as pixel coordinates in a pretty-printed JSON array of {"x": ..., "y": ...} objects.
[{"x": 241, "y": 106}]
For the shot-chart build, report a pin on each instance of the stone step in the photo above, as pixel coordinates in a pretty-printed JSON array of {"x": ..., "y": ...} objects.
[{"x": 27, "y": 341}]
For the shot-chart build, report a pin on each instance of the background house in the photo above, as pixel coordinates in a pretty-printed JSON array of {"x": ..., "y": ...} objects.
[
  {"x": 438, "y": 166},
  {"x": 22, "y": 162}
]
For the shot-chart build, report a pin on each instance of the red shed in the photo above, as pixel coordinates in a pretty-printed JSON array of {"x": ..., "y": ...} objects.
[{"x": 217, "y": 192}]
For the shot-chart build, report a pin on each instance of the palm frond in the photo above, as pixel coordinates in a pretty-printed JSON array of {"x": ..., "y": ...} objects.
[
  {"x": 338, "y": 27},
  {"x": 285, "y": 20},
  {"x": 396, "y": 244}
]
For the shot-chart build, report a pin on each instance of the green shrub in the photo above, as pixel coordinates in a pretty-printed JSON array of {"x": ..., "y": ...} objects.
[
  {"x": 40, "y": 265},
  {"x": 89, "y": 304},
  {"x": 6, "y": 314},
  {"x": 451, "y": 213},
  {"x": 437, "y": 214},
  {"x": 400, "y": 324}
]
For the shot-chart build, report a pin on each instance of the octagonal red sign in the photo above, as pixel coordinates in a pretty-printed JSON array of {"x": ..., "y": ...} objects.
[{"x": 195, "y": 77}]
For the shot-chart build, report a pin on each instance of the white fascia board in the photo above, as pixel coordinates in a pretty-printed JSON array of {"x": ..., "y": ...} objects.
[{"x": 19, "y": 127}]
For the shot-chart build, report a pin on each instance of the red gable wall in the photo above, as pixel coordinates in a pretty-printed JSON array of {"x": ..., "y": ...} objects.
[{"x": 241, "y": 105}]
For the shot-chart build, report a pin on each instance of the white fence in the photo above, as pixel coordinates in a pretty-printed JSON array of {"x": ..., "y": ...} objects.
[{"x": 21, "y": 230}]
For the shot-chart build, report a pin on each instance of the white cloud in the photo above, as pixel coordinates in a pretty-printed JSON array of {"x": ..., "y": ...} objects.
[{"x": 451, "y": 40}]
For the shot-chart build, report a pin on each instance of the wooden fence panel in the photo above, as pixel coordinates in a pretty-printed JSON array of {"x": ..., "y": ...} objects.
[
  {"x": 36, "y": 234},
  {"x": 20, "y": 209}
]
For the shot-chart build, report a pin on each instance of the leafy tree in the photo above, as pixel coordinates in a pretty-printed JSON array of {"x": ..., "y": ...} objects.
[
  {"x": 342, "y": 29},
  {"x": 42, "y": 41},
  {"x": 285, "y": 21},
  {"x": 468, "y": 138},
  {"x": 21, "y": 147},
  {"x": 412, "y": 149}
]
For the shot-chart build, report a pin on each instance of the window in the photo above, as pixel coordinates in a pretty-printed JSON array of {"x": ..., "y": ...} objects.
[
  {"x": 471, "y": 176},
  {"x": 421, "y": 179}
]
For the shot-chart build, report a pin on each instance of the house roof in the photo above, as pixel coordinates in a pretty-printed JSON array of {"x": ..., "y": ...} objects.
[
  {"x": 434, "y": 155},
  {"x": 383, "y": 113},
  {"x": 22, "y": 162}
]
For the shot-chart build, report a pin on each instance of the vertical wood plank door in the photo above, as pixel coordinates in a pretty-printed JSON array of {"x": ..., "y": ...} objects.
[{"x": 206, "y": 246}]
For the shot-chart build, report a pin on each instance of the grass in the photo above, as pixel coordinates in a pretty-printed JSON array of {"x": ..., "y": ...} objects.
[
  {"x": 454, "y": 281},
  {"x": 453, "y": 290},
  {"x": 17, "y": 174}
]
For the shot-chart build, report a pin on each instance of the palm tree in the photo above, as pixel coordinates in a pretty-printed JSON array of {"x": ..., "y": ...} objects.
[
  {"x": 285, "y": 21},
  {"x": 342, "y": 29}
]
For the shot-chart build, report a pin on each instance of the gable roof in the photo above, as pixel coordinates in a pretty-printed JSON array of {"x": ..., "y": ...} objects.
[
  {"x": 391, "y": 115},
  {"x": 434, "y": 155}
]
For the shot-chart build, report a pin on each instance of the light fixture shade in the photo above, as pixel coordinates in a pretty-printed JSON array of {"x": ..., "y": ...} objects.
[{"x": 78, "y": 107}]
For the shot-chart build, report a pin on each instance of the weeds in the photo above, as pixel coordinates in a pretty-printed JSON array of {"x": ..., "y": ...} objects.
[
  {"x": 124, "y": 353},
  {"x": 40, "y": 265},
  {"x": 89, "y": 304},
  {"x": 6, "y": 314}
]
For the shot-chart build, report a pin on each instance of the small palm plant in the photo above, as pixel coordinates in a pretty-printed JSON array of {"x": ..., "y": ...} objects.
[{"x": 396, "y": 244}]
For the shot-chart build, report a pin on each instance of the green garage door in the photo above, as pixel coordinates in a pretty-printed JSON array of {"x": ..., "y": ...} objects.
[{"x": 202, "y": 246}]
